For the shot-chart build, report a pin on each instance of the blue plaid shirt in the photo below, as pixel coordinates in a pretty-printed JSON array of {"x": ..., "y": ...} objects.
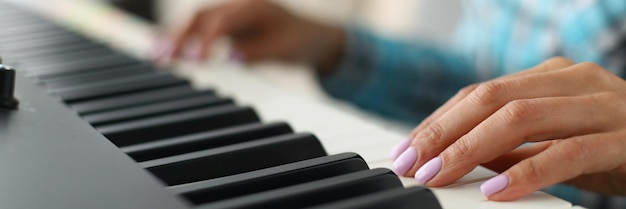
[{"x": 407, "y": 81}]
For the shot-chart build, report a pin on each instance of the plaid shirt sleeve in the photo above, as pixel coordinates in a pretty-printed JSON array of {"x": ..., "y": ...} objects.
[{"x": 398, "y": 80}]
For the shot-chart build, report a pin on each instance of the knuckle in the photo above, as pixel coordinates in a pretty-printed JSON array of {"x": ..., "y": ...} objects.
[
  {"x": 572, "y": 151},
  {"x": 518, "y": 111},
  {"x": 600, "y": 76},
  {"x": 556, "y": 63},
  {"x": 432, "y": 135},
  {"x": 589, "y": 66},
  {"x": 613, "y": 96},
  {"x": 467, "y": 90},
  {"x": 489, "y": 93},
  {"x": 531, "y": 171},
  {"x": 462, "y": 151},
  {"x": 592, "y": 70}
]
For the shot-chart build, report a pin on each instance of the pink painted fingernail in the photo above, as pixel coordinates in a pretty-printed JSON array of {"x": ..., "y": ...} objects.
[
  {"x": 164, "y": 51},
  {"x": 399, "y": 148},
  {"x": 405, "y": 161},
  {"x": 193, "y": 52},
  {"x": 161, "y": 47},
  {"x": 494, "y": 185},
  {"x": 428, "y": 170}
]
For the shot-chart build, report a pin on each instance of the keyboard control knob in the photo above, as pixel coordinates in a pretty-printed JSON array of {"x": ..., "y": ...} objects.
[{"x": 7, "y": 87}]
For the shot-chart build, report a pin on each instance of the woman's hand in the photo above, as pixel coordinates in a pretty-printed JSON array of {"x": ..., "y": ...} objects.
[
  {"x": 259, "y": 30},
  {"x": 575, "y": 115}
]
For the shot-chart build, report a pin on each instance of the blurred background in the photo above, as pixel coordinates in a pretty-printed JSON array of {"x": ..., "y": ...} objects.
[
  {"x": 407, "y": 20},
  {"x": 404, "y": 19}
]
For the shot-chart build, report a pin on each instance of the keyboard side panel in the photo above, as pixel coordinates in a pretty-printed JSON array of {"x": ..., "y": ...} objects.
[{"x": 50, "y": 158}]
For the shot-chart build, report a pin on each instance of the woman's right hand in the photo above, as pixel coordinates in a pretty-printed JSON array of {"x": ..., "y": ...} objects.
[{"x": 258, "y": 30}]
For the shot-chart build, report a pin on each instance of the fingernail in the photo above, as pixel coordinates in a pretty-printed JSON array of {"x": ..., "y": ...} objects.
[
  {"x": 167, "y": 55},
  {"x": 164, "y": 51},
  {"x": 494, "y": 185},
  {"x": 193, "y": 52},
  {"x": 405, "y": 161},
  {"x": 399, "y": 148},
  {"x": 428, "y": 170},
  {"x": 161, "y": 46},
  {"x": 236, "y": 57}
]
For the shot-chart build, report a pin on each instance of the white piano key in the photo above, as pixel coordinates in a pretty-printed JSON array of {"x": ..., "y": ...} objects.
[
  {"x": 340, "y": 131},
  {"x": 478, "y": 174},
  {"x": 468, "y": 196},
  {"x": 357, "y": 145},
  {"x": 375, "y": 153}
]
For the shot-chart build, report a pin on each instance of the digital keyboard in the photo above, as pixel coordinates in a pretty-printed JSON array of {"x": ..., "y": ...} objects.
[{"x": 96, "y": 128}]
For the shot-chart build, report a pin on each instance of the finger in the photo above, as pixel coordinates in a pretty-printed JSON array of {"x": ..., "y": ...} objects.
[
  {"x": 178, "y": 44},
  {"x": 521, "y": 121},
  {"x": 217, "y": 27},
  {"x": 443, "y": 109},
  {"x": 479, "y": 104},
  {"x": 549, "y": 65},
  {"x": 192, "y": 26},
  {"x": 404, "y": 144},
  {"x": 508, "y": 160},
  {"x": 564, "y": 160}
]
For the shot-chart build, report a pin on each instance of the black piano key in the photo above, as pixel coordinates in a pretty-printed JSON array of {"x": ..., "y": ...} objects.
[
  {"x": 409, "y": 198},
  {"x": 135, "y": 99},
  {"x": 134, "y": 113},
  {"x": 235, "y": 159},
  {"x": 87, "y": 64},
  {"x": 118, "y": 87},
  {"x": 17, "y": 13},
  {"x": 91, "y": 77},
  {"x": 316, "y": 192},
  {"x": 54, "y": 41},
  {"x": 52, "y": 51},
  {"x": 270, "y": 178},
  {"x": 59, "y": 54},
  {"x": 62, "y": 57},
  {"x": 26, "y": 25},
  {"x": 30, "y": 29},
  {"x": 23, "y": 17},
  {"x": 32, "y": 41},
  {"x": 205, "y": 140},
  {"x": 20, "y": 18},
  {"x": 176, "y": 124},
  {"x": 25, "y": 38}
]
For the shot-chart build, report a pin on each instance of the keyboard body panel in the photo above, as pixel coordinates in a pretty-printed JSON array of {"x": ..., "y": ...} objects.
[{"x": 50, "y": 158}]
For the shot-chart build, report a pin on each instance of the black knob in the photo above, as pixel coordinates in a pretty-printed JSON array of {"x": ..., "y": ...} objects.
[{"x": 7, "y": 86}]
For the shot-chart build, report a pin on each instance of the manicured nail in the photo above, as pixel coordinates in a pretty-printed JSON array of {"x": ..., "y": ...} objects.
[
  {"x": 399, "y": 148},
  {"x": 161, "y": 47},
  {"x": 494, "y": 185},
  {"x": 236, "y": 57},
  {"x": 164, "y": 51},
  {"x": 428, "y": 170},
  {"x": 193, "y": 52},
  {"x": 405, "y": 161}
]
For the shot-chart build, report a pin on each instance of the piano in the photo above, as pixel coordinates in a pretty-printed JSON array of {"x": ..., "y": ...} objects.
[{"x": 99, "y": 128}]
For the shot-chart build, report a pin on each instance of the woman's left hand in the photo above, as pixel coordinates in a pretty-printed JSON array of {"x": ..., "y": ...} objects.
[{"x": 575, "y": 115}]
